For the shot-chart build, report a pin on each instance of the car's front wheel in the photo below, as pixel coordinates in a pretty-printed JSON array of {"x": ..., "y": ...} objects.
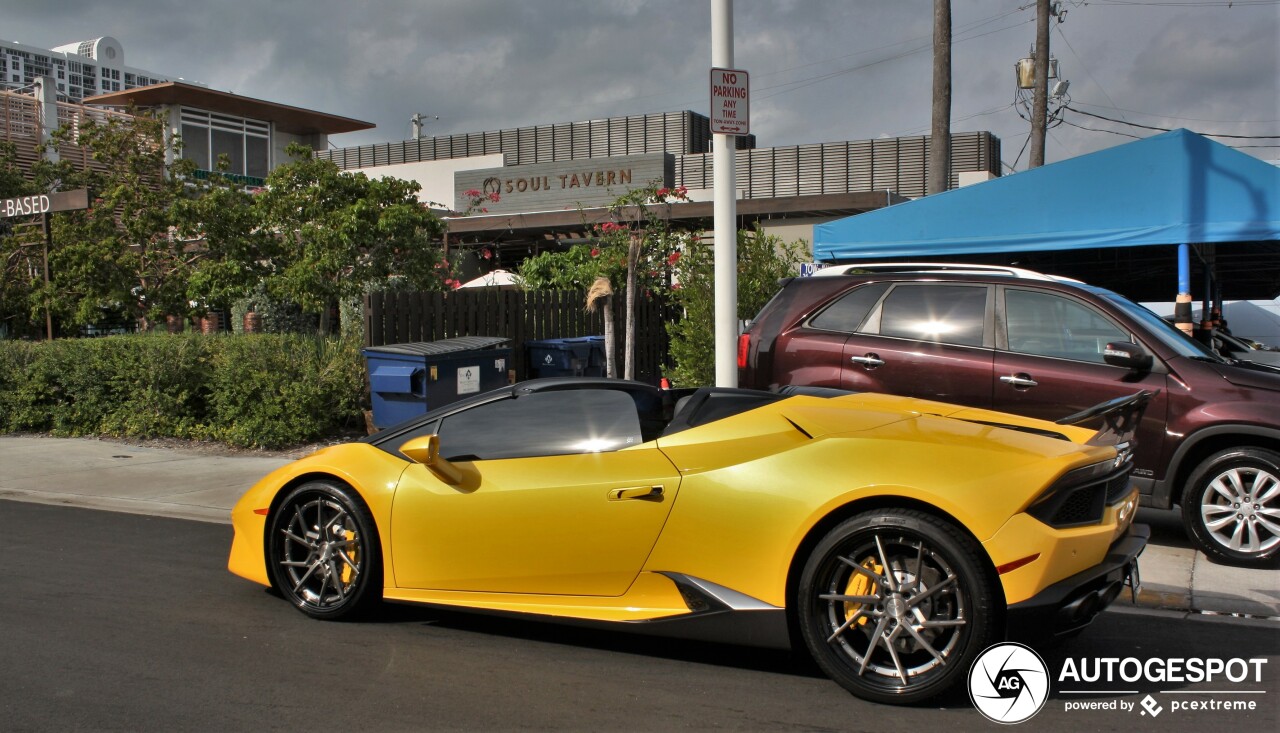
[
  {"x": 1231, "y": 506},
  {"x": 323, "y": 551},
  {"x": 894, "y": 605}
]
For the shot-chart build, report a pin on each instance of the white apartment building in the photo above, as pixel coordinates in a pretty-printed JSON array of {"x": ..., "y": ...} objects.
[{"x": 81, "y": 70}]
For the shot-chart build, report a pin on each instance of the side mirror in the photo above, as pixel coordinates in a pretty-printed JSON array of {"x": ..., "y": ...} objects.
[
  {"x": 1127, "y": 355},
  {"x": 426, "y": 450}
]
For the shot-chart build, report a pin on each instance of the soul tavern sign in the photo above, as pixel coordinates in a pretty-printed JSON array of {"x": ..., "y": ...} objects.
[{"x": 568, "y": 184}]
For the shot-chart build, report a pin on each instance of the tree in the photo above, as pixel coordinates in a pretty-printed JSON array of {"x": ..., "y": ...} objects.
[
  {"x": 18, "y": 263},
  {"x": 762, "y": 260},
  {"x": 336, "y": 232},
  {"x": 632, "y": 250},
  {"x": 135, "y": 251}
]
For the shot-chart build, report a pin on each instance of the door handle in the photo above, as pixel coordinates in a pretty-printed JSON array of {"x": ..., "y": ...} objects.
[
  {"x": 636, "y": 492},
  {"x": 870, "y": 360},
  {"x": 1020, "y": 381}
]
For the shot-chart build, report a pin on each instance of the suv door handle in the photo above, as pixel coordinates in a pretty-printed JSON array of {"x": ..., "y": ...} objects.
[
  {"x": 870, "y": 360},
  {"x": 1021, "y": 380}
]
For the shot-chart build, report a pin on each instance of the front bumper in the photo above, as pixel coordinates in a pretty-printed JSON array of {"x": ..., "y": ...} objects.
[{"x": 1071, "y": 604}]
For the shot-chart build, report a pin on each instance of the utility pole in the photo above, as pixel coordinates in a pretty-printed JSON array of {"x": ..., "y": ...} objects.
[
  {"x": 940, "y": 137},
  {"x": 1040, "y": 99},
  {"x": 415, "y": 124}
]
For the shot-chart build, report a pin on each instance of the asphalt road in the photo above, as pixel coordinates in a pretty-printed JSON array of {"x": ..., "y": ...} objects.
[{"x": 124, "y": 622}]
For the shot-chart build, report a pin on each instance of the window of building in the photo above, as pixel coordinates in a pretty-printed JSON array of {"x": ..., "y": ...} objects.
[{"x": 244, "y": 142}]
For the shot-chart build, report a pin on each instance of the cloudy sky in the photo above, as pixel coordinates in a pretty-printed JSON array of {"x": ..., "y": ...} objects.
[{"x": 821, "y": 70}]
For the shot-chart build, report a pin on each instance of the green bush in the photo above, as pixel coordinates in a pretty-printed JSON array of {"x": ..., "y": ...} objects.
[
  {"x": 282, "y": 390},
  {"x": 763, "y": 258},
  {"x": 253, "y": 391}
]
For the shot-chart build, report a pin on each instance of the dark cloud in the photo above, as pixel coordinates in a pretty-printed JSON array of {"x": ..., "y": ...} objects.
[{"x": 822, "y": 70}]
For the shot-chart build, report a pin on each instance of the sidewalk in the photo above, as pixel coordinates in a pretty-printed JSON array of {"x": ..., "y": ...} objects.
[{"x": 183, "y": 484}]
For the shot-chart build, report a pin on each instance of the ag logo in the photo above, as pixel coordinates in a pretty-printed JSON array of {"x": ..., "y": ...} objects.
[{"x": 1008, "y": 683}]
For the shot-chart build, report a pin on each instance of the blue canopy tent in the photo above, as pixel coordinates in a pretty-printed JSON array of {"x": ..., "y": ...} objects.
[{"x": 1171, "y": 189}]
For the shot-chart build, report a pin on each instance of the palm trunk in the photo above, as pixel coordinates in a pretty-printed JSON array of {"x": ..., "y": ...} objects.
[{"x": 610, "y": 344}]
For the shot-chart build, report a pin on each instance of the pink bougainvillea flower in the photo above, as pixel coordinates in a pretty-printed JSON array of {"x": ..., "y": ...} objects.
[
  {"x": 494, "y": 197},
  {"x": 471, "y": 193},
  {"x": 663, "y": 192}
]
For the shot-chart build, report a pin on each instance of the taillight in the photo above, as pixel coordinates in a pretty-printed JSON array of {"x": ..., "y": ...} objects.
[{"x": 744, "y": 343}]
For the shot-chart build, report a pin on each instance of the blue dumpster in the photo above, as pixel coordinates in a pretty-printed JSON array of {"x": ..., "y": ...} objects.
[
  {"x": 566, "y": 357},
  {"x": 407, "y": 380}
]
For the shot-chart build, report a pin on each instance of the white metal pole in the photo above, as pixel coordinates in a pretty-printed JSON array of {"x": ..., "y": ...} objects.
[{"x": 725, "y": 213}]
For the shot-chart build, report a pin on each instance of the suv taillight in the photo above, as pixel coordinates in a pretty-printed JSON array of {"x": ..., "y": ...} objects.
[{"x": 744, "y": 343}]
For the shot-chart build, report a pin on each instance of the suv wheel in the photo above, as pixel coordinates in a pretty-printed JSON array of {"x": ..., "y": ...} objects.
[{"x": 1231, "y": 506}]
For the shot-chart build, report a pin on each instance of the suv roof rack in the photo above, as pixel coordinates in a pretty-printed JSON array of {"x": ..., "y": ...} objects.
[{"x": 953, "y": 268}]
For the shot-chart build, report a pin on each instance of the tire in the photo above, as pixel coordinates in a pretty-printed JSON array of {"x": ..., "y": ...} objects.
[
  {"x": 852, "y": 613},
  {"x": 323, "y": 552},
  {"x": 1231, "y": 506}
]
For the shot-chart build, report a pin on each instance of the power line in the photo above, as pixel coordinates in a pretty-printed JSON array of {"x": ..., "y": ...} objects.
[
  {"x": 1193, "y": 4},
  {"x": 802, "y": 83},
  {"x": 1167, "y": 129},
  {"x": 1175, "y": 117},
  {"x": 1080, "y": 61}
]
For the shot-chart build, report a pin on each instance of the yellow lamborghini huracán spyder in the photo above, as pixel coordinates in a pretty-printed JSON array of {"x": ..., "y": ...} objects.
[{"x": 894, "y": 538}]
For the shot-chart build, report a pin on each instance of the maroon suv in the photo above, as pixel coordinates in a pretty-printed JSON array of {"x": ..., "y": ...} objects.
[{"x": 1045, "y": 347}]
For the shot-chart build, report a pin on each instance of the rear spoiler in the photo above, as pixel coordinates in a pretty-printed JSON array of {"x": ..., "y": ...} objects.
[{"x": 1120, "y": 418}]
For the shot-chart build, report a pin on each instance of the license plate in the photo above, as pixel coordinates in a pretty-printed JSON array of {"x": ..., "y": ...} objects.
[{"x": 1133, "y": 580}]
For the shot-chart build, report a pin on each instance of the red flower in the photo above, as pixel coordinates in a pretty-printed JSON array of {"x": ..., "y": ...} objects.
[
  {"x": 486, "y": 253},
  {"x": 595, "y": 251},
  {"x": 675, "y": 257},
  {"x": 663, "y": 191},
  {"x": 453, "y": 284},
  {"x": 471, "y": 193},
  {"x": 494, "y": 197}
]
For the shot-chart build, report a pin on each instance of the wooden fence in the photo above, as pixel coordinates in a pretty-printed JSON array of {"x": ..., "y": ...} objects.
[{"x": 409, "y": 317}]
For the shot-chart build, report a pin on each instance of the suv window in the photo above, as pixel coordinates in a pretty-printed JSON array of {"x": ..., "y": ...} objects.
[
  {"x": 1045, "y": 324},
  {"x": 543, "y": 424},
  {"x": 949, "y": 314},
  {"x": 848, "y": 313}
]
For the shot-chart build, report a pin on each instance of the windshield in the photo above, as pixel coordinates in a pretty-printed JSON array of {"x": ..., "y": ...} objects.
[{"x": 1167, "y": 333}]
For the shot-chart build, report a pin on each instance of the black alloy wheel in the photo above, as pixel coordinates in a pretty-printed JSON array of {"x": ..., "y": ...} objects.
[
  {"x": 323, "y": 551},
  {"x": 895, "y": 604}
]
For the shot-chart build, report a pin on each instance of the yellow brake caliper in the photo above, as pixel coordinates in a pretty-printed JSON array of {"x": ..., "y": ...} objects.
[{"x": 861, "y": 585}]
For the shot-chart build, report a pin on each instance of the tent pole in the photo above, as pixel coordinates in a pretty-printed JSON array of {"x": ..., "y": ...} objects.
[{"x": 1182, "y": 305}]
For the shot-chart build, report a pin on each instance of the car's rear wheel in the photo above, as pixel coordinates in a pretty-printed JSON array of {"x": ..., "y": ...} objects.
[
  {"x": 1231, "y": 506},
  {"x": 894, "y": 605},
  {"x": 323, "y": 551}
]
